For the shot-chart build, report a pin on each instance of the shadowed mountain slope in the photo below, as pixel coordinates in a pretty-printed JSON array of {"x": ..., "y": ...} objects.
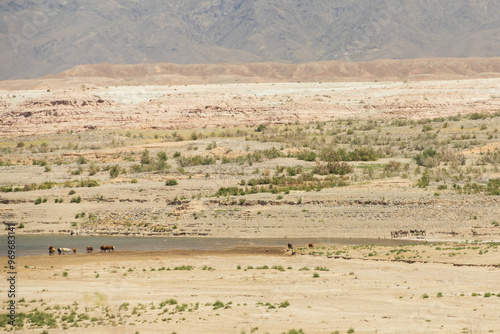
[{"x": 46, "y": 37}]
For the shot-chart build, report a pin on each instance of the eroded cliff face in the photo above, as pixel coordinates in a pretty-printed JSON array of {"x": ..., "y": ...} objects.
[{"x": 26, "y": 112}]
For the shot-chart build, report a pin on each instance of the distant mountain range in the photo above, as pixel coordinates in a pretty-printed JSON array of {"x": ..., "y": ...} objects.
[{"x": 48, "y": 36}]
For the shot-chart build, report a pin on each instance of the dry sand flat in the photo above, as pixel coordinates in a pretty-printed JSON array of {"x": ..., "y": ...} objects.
[{"x": 123, "y": 292}]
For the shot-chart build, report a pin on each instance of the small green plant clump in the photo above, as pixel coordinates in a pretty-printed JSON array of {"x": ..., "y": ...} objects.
[
  {"x": 171, "y": 182},
  {"x": 76, "y": 199}
]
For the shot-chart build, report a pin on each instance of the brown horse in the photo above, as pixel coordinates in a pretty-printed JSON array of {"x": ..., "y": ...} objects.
[
  {"x": 52, "y": 250},
  {"x": 310, "y": 245},
  {"x": 90, "y": 249},
  {"x": 107, "y": 248}
]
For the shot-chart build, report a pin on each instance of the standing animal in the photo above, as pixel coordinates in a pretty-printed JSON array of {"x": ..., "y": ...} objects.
[
  {"x": 63, "y": 250},
  {"x": 310, "y": 245},
  {"x": 290, "y": 246},
  {"x": 74, "y": 250},
  {"x": 107, "y": 248},
  {"x": 90, "y": 249},
  {"x": 52, "y": 250}
]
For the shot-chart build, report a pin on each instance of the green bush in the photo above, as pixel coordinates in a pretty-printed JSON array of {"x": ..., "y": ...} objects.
[
  {"x": 493, "y": 187},
  {"x": 329, "y": 154},
  {"x": 94, "y": 169},
  {"x": 88, "y": 183},
  {"x": 145, "y": 158},
  {"x": 76, "y": 199},
  {"x": 114, "y": 171},
  {"x": 171, "y": 182},
  {"x": 424, "y": 181},
  {"x": 306, "y": 155},
  {"x": 81, "y": 160},
  {"x": 429, "y": 158},
  {"x": 260, "y": 128}
]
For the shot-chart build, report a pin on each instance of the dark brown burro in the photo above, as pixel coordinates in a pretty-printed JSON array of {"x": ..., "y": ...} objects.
[
  {"x": 90, "y": 249},
  {"x": 310, "y": 245},
  {"x": 107, "y": 248}
]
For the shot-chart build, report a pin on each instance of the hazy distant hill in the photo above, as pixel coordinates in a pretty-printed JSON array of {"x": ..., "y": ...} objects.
[{"x": 44, "y": 37}]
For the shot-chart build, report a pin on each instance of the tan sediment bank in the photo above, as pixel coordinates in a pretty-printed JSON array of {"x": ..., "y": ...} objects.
[{"x": 266, "y": 290}]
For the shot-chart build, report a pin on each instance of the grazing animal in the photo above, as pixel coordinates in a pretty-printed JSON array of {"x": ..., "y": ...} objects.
[
  {"x": 74, "y": 250},
  {"x": 52, "y": 250},
  {"x": 310, "y": 245},
  {"x": 290, "y": 246},
  {"x": 90, "y": 249},
  {"x": 107, "y": 248},
  {"x": 64, "y": 250}
]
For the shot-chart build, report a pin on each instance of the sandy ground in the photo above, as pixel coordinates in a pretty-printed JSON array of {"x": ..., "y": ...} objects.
[{"x": 363, "y": 294}]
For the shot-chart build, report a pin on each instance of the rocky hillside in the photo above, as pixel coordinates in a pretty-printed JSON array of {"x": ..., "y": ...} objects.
[{"x": 45, "y": 37}]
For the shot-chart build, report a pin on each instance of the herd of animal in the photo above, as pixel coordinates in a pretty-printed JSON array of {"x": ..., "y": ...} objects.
[
  {"x": 108, "y": 248},
  {"x": 405, "y": 234},
  {"x": 90, "y": 249}
]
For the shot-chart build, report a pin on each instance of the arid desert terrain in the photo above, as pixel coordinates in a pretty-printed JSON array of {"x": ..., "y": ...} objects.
[{"x": 410, "y": 160}]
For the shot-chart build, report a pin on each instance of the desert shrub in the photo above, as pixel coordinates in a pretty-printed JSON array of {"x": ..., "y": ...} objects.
[
  {"x": 88, "y": 183},
  {"x": 136, "y": 168},
  {"x": 329, "y": 154},
  {"x": 293, "y": 171},
  {"x": 77, "y": 171},
  {"x": 294, "y": 331},
  {"x": 161, "y": 165},
  {"x": 41, "y": 162},
  {"x": 76, "y": 199},
  {"x": 41, "y": 319},
  {"x": 306, "y": 155},
  {"x": 424, "y": 181},
  {"x": 184, "y": 267},
  {"x": 196, "y": 160},
  {"x": 472, "y": 188},
  {"x": 229, "y": 191},
  {"x": 428, "y": 158},
  {"x": 162, "y": 156},
  {"x": 393, "y": 166},
  {"x": 81, "y": 160},
  {"x": 284, "y": 304},
  {"x": 171, "y": 182},
  {"x": 145, "y": 158},
  {"x": 334, "y": 167},
  {"x": 218, "y": 304},
  {"x": 493, "y": 187},
  {"x": 46, "y": 185},
  {"x": 114, "y": 171},
  {"x": 93, "y": 169},
  {"x": 476, "y": 116}
]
